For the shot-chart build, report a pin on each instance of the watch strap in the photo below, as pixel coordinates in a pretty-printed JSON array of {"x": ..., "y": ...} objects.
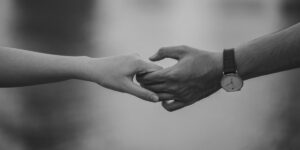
[{"x": 229, "y": 65}]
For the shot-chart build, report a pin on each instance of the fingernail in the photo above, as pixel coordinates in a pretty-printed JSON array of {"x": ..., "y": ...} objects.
[{"x": 155, "y": 98}]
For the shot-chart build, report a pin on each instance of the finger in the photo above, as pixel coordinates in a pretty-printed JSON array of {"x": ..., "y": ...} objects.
[
  {"x": 165, "y": 96},
  {"x": 140, "y": 92},
  {"x": 175, "y": 52},
  {"x": 157, "y": 88},
  {"x": 155, "y": 77},
  {"x": 147, "y": 67},
  {"x": 173, "y": 105}
]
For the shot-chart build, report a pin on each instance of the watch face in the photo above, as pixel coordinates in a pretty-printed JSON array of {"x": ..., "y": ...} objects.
[{"x": 231, "y": 82}]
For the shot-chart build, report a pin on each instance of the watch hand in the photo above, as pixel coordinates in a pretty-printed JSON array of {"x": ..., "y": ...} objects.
[{"x": 227, "y": 84}]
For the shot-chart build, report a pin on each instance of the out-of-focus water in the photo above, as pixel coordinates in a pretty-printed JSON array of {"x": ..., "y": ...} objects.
[{"x": 80, "y": 115}]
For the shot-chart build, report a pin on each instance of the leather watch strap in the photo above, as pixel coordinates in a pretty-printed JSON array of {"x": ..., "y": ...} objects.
[{"x": 229, "y": 65}]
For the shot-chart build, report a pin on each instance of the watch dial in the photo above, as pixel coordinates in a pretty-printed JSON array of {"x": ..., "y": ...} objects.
[{"x": 231, "y": 83}]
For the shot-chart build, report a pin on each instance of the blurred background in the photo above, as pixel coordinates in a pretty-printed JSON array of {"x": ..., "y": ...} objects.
[{"x": 77, "y": 115}]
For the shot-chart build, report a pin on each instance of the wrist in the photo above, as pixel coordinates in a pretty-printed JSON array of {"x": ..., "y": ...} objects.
[
  {"x": 218, "y": 59},
  {"x": 244, "y": 64},
  {"x": 80, "y": 67}
]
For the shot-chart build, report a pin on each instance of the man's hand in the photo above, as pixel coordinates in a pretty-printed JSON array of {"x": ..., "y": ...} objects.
[
  {"x": 196, "y": 75},
  {"x": 117, "y": 73}
]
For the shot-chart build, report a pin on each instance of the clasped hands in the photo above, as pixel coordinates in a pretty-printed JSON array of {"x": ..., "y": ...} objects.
[{"x": 196, "y": 75}]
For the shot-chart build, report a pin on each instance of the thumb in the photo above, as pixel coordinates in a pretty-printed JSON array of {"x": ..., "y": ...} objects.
[
  {"x": 175, "y": 52},
  {"x": 140, "y": 92},
  {"x": 173, "y": 105}
]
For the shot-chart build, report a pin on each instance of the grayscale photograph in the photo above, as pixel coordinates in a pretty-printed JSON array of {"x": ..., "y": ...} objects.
[{"x": 149, "y": 74}]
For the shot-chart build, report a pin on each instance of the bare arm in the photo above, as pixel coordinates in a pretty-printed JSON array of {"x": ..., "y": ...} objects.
[
  {"x": 22, "y": 68},
  {"x": 269, "y": 54},
  {"x": 198, "y": 73}
]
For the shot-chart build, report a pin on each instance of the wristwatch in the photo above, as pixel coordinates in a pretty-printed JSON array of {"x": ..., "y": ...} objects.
[{"x": 231, "y": 81}]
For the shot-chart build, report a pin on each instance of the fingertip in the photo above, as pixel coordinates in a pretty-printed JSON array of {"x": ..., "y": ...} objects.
[
  {"x": 155, "y": 57},
  {"x": 164, "y": 104},
  {"x": 172, "y": 105},
  {"x": 154, "y": 98},
  {"x": 149, "y": 95},
  {"x": 141, "y": 92}
]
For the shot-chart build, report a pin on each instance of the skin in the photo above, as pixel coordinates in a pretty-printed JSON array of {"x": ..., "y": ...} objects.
[
  {"x": 198, "y": 73},
  {"x": 23, "y": 68}
]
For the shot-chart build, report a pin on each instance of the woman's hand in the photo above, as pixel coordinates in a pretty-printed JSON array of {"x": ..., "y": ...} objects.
[{"x": 117, "y": 73}]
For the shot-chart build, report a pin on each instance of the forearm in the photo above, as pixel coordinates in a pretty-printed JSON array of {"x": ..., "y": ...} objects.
[
  {"x": 21, "y": 67},
  {"x": 272, "y": 53}
]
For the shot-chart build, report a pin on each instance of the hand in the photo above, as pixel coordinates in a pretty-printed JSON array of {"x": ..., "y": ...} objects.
[
  {"x": 117, "y": 73},
  {"x": 196, "y": 75}
]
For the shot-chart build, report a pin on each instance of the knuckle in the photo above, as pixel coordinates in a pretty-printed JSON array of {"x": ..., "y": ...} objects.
[
  {"x": 174, "y": 75},
  {"x": 174, "y": 89},
  {"x": 183, "y": 47},
  {"x": 137, "y": 61},
  {"x": 133, "y": 56}
]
